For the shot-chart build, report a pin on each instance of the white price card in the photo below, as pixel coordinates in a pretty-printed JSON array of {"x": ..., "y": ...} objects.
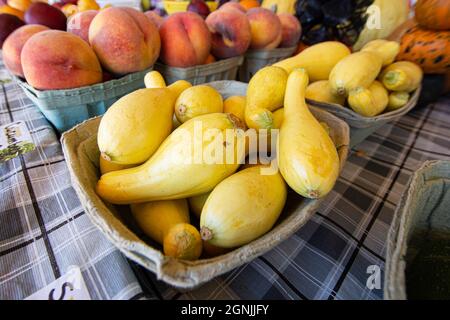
[
  {"x": 15, "y": 139},
  {"x": 70, "y": 286}
]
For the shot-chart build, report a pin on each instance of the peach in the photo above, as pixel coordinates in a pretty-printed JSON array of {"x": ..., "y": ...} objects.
[
  {"x": 291, "y": 30},
  {"x": 155, "y": 18},
  {"x": 56, "y": 59},
  {"x": 231, "y": 33},
  {"x": 265, "y": 27},
  {"x": 124, "y": 40},
  {"x": 186, "y": 40},
  {"x": 233, "y": 5},
  {"x": 13, "y": 45},
  {"x": 79, "y": 23}
]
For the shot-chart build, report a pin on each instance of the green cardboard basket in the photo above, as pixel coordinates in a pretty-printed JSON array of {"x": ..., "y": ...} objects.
[
  {"x": 66, "y": 108},
  {"x": 418, "y": 243}
]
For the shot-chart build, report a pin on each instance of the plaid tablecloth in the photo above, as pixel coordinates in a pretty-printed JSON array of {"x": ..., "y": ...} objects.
[{"x": 44, "y": 231}]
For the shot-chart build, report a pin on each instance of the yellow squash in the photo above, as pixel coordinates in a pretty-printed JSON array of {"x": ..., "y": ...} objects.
[
  {"x": 242, "y": 208},
  {"x": 265, "y": 93},
  {"x": 370, "y": 101},
  {"x": 235, "y": 105},
  {"x": 133, "y": 127},
  {"x": 267, "y": 135},
  {"x": 157, "y": 217},
  {"x": 183, "y": 166},
  {"x": 154, "y": 79},
  {"x": 183, "y": 241},
  {"x": 196, "y": 203},
  {"x": 196, "y": 101},
  {"x": 167, "y": 222},
  {"x": 278, "y": 116},
  {"x": 318, "y": 60},
  {"x": 387, "y": 50},
  {"x": 307, "y": 157},
  {"x": 384, "y": 16},
  {"x": 359, "y": 69},
  {"x": 402, "y": 76},
  {"x": 397, "y": 99},
  {"x": 321, "y": 91}
]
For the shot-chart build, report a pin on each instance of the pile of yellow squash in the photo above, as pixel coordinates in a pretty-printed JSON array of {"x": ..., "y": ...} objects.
[
  {"x": 147, "y": 142},
  {"x": 369, "y": 80},
  {"x": 147, "y": 163}
]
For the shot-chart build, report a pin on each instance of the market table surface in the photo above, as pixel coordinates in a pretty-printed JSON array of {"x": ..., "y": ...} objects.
[{"x": 336, "y": 255}]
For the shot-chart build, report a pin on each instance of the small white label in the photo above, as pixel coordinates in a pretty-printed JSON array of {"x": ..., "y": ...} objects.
[
  {"x": 15, "y": 139},
  {"x": 70, "y": 286}
]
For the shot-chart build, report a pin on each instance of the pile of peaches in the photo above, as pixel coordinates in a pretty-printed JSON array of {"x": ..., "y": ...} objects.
[
  {"x": 188, "y": 40},
  {"x": 91, "y": 46}
]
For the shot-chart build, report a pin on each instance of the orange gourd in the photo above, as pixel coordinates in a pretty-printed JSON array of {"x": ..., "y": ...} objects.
[
  {"x": 433, "y": 14},
  {"x": 429, "y": 49}
]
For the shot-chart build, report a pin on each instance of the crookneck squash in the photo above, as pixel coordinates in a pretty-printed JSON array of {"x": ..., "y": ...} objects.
[
  {"x": 433, "y": 14},
  {"x": 429, "y": 49}
]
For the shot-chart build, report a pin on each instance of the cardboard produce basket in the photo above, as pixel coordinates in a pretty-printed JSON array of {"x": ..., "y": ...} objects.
[
  {"x": 258, "y": 59},
  {"x": 82, "y": 155},
  {"x": 361, "y": 127},
  {"x": 66, "y": 108},
  {"x": 226, "y": 69},
  {"x": 418, "y": 243}
]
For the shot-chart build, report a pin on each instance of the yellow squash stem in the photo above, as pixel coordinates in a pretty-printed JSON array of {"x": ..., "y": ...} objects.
[
  {"x": 402, "y": 76},
  {"x": 397, "y": 99}
]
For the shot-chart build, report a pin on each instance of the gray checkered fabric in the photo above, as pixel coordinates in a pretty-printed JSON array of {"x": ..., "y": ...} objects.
[{"x": 43, "y": 229}]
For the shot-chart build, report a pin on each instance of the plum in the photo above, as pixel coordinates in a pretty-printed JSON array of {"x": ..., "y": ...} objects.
[
  {"x": 47, "y": 15},
  {"x": 200, "y": 7},
  {"x": 8, "y": 23}
]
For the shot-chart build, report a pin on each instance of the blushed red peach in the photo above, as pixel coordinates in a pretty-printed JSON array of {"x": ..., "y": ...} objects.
[
  {"x": 291, "y": 30},
  {"x": 80, "y": 22},
  {"x": 265, "y": 27},
  {"x": 231, "y": 35},
  {"x": 186, "y": 40},
  {"x": 56, "y": 59},
  {"x": 12, "y": 48},
  {"x": 124, "y": 40}
]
